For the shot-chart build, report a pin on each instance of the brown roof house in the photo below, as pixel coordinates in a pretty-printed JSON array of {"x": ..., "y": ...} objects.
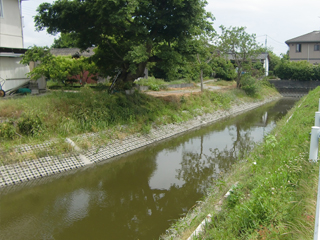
[{"x": 305, "y": 47}]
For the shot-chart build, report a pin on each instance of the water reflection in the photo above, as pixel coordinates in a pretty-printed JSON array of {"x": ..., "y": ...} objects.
[{"x": 137, "y": 196}]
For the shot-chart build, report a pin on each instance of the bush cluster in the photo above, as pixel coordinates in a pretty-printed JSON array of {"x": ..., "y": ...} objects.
[
  {"x": 7, "y": 130},
  {"x": 28, "y": 125},
  {"x": 302, "y": 70},
  {"x": 249, "y": 84}
]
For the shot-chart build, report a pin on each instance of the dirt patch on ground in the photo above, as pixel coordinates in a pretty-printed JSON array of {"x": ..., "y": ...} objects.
[{"x": 173, "y": 94}]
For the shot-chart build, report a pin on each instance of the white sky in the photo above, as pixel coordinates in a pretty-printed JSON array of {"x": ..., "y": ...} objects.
[{"x": 280, "y": 20}]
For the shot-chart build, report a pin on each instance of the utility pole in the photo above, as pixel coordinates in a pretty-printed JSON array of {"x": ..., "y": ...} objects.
[{"x": 266, "y": 42}]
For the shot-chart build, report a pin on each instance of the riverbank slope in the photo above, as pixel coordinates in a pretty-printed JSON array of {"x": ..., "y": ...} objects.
[
  {"x": 22, "y": 163},
  {"x": 273, "y": 190}
]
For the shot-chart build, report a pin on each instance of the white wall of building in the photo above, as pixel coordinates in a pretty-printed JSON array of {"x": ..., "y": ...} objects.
[
  {"x": 13, "y": 72},
  {"x": 10, "y": 68},
  {"x": 266, "y": 66},
  {"x": 10, "y": 24}
]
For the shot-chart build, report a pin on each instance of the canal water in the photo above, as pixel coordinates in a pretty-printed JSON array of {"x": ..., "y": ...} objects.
[{"x": 136, "y": 196}]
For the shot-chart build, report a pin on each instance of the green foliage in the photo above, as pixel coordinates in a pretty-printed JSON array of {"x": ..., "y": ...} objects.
[
  {"x": 274, "y": 61},
  {"x": 30, "y": 125},
  {"x": 250, "y": 85},
  {"x": 66, "y": 40},
  {"x": 257, "y": 69},
  {"x": 223, "y": 68},
  {"x": 57, "y": 68},
  {"x": 156, "y": 84},
  {"x": 302, "y": 70},
  {"x": 151, "y": 82},
  {"x": 236, "y": 195},
  {"x": 241, "y": 46},
  {"x": 7, "y": 130},
  {"x": 129, "y": 34}
]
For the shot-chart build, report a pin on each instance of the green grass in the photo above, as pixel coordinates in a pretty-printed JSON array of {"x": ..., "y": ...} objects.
[
  {"x": 36, "y": 119},
  {"x": 156, "y": 84},
  {"x": 222, "y": 83},
  {"x": 277, "y": 185}
]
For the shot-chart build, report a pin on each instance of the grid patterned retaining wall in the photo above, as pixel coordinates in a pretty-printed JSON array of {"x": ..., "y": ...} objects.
[{"x": 47, "y": 166}]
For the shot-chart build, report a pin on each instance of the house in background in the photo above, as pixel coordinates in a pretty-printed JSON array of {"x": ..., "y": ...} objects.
[
  {"x": 305, "y": 47},
  {"x": 263, "y": 58},
  {"x": 11, "y": 45}
]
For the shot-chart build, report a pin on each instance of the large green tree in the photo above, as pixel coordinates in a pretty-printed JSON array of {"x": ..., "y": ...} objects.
[
  {"x": 129, "y": 33},
  {"x": 240, "y": 46},
  {"x": 66, "y": 40}
]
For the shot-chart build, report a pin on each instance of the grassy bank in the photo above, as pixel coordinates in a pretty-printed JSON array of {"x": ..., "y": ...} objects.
[
  {"x": 275, "y": 194},
  {"x": 36, "y": 119}
]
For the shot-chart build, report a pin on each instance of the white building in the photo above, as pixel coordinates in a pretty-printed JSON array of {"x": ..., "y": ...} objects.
[{"x": 11, "y": 45}]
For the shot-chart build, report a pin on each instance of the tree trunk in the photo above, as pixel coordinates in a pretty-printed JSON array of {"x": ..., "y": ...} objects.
[
  {"x": 238, "y": 78},
  {"x": 201, "y": 79},
  {"x": 126, "y": 76}
]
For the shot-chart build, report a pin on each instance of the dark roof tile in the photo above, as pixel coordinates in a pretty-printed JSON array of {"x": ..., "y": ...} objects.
[{"x": 309, "y": 37}]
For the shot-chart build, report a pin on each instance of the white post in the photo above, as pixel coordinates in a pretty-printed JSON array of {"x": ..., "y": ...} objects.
[
  {"x": 314, "y": 143},
  {"x": 319, "y": 104},
  {"x": 317, "y": 119}
]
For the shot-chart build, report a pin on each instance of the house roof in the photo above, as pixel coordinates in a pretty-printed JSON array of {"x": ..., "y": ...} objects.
[
  {"x": 72, "y": 51},
  {"x": 12, "y": 52},
  {"x": 309, "y": 37}
]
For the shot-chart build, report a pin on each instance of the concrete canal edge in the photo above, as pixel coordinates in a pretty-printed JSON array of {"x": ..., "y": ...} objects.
[{"x": 29, "y": 172}]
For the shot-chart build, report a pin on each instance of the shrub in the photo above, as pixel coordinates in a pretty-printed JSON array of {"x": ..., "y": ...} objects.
[
  {"x": 7, "y": 130},
  {"x": 302, "y": 70},
  {"x": 249, "y": 85},
  {"x": 30, "y": 125}
]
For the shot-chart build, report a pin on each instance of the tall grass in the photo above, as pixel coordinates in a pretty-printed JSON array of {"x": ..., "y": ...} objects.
[{"x": 61, "y": 114}]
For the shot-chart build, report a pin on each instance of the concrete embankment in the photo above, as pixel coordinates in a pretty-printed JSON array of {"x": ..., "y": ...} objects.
[{"x": 27, "y": 172}]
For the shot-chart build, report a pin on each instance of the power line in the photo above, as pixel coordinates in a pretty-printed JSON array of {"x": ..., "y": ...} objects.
[
  {"x": 267, "y": 36},
  {"x": 275, "y": 40}
]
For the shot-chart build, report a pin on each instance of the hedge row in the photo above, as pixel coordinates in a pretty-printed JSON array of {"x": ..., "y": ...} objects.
[{"x": 302, "y": 70}]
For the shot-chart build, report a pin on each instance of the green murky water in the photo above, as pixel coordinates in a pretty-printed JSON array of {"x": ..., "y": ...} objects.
[{"x": 136, "y": 196}]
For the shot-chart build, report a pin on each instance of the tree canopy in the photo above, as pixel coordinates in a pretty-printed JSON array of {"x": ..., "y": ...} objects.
[
  {"x": 129, "y": 33},
  {"x": 241, "y": 46},
  {"x": 66, "y": 40}
]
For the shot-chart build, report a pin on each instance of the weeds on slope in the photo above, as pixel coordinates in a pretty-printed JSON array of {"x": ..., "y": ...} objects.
[{"x": 34, "y": 120}]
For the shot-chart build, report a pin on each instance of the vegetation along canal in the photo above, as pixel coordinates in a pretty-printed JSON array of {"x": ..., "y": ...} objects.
[{"x": 139, "y": 195}]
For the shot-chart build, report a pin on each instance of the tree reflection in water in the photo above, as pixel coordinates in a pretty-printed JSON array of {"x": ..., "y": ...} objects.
[{"x": 136, "y": 196}]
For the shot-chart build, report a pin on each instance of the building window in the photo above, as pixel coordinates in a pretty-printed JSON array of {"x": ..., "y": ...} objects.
[
  {"x": 298, "y": 49},
  {"x": 317, "y": 47},
  {"x": 1, "y": 9}
]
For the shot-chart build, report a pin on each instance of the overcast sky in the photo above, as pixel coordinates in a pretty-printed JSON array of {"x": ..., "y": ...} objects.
[{"x": 274, "y": 20}]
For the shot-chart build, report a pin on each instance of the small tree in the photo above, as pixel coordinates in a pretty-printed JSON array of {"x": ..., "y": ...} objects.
[
  {"x": 240, "y": 46},
  {"x": 58, "y": 68}
]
